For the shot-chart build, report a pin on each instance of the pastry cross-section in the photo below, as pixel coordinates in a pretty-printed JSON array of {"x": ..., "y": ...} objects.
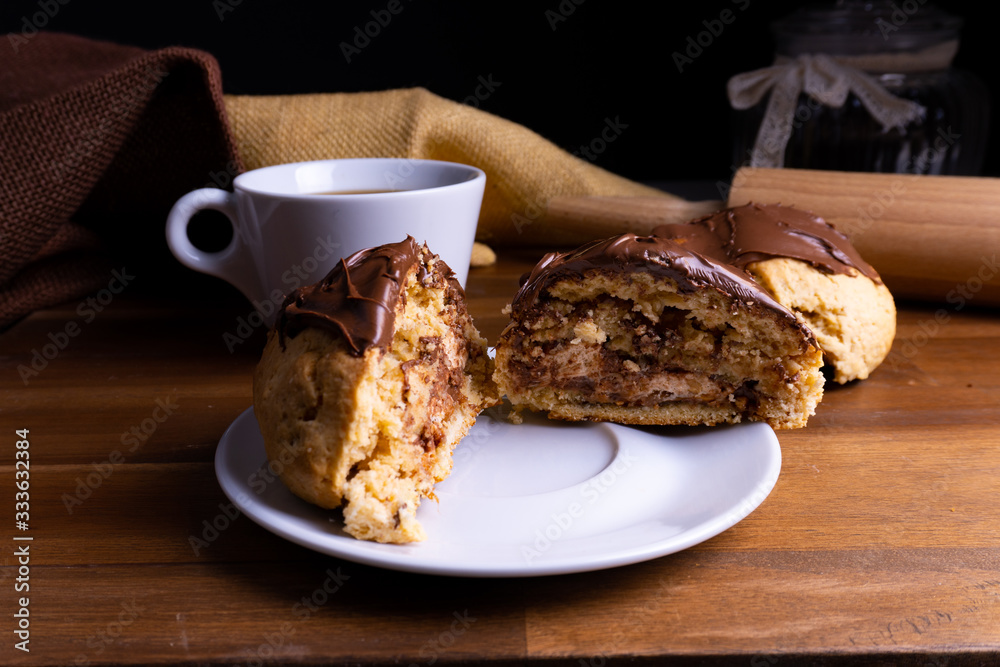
[
  {"x": 810, "y": 268},
  {"x": 640, "y": 330}
]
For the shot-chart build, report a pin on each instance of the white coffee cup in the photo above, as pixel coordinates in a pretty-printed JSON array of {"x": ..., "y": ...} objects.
[{"x": 289, "y": 231}]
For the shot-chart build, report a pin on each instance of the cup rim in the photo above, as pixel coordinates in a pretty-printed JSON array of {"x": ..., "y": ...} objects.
[{"x": 475, "y": 175}]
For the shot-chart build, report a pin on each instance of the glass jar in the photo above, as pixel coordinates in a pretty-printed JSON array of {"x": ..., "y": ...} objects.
[{"x": 888, "y": 40}]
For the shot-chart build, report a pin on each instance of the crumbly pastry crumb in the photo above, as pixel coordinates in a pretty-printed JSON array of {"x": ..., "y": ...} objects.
[
  {"x": 482, "y": 255},
  {"x": 852, "y": 317},
  {"x": 810, "y": 268}
]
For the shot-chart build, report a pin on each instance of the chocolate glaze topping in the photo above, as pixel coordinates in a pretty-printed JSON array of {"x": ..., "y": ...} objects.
[
  {"x": 661, "y": 256},
  {"x": 754, "y": 232},
  {"x": 357, "y": 299}
]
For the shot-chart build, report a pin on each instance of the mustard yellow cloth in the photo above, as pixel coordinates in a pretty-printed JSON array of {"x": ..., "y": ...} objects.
[{"x": 523, "y": 169}]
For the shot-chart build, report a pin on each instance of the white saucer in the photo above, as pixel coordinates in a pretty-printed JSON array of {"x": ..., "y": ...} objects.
[{"x": 537, "y": 498}]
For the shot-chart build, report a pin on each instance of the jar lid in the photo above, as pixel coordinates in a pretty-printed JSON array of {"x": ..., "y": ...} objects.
[{"x": 856, "y": 27}]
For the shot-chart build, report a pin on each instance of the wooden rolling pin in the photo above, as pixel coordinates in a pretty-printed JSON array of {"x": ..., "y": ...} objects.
[
  {"x": 581, "y": 219},
  {"x": 931, "y": 238}
]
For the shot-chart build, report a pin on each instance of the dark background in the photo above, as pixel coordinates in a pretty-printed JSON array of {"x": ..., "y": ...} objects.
[{"x": 562, "y": 79}]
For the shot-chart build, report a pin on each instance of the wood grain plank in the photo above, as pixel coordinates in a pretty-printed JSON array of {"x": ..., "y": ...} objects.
[
  {"x": 709, "y": 604},
  {"x": 317, "y": 611},
  {"x": 894, "y": 488}
]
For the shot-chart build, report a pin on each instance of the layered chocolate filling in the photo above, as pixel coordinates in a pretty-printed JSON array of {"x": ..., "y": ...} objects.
[
  {"x": 642, "y": 362},
  {"x": 643, "y": 322}
]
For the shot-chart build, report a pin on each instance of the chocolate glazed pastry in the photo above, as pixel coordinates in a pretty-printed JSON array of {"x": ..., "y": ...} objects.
[
  {"x": 356, "y": 300},
  {"x": 641, "y": 330},
  {"x": 810, "y": 268},
  {"x": 368, "y": 381}
]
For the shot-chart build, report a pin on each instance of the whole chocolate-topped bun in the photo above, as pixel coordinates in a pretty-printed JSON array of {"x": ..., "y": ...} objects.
[
  {"x": 640, "y": 330},
  {"x": 809, "y": 267},
  {"x": 367, "y": 382}
]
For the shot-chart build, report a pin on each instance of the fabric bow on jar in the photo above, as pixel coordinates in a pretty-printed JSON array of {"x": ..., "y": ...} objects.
[{"x": 862, "y": 85}]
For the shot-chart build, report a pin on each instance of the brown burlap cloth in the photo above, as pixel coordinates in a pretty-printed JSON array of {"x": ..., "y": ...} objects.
[{"x": 98, "y": 140}]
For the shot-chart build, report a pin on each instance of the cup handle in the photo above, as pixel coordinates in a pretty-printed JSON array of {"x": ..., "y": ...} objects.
[{"x": 234, "y": 262}]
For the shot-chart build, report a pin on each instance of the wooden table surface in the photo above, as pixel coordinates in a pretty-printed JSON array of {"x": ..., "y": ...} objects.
[{"x": 880, "y": 543}]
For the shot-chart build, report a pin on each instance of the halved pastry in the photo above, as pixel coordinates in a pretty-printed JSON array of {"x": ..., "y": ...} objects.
[{"x": 639, "y": 330}]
